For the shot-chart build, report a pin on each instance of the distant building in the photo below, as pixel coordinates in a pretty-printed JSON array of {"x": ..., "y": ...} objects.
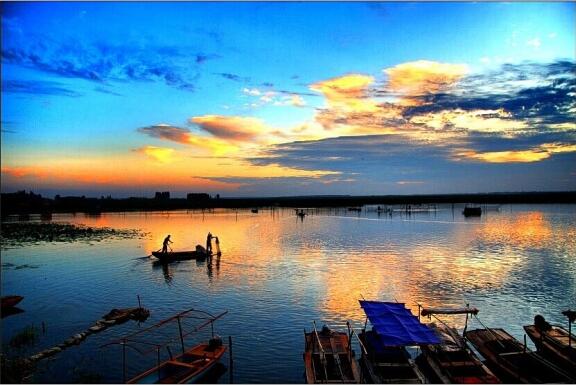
[
  {"x": 193, "y": 197},
  {"x": 164, "y": 195}
]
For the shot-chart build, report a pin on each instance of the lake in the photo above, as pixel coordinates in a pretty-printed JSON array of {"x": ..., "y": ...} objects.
[{"x": 277, "y": 273}]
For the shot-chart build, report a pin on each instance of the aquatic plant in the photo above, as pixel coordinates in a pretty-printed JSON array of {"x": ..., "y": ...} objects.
[{"x": 25, "y": 337}]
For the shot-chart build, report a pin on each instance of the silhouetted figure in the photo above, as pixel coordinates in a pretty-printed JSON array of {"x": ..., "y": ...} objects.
[
  {"x": 541, "y": 323},
  {"x": 165, "y": 244},
  {"x": 209, "y": 243}
]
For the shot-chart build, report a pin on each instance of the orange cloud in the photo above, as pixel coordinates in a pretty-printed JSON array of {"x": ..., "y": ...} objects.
[
  {"x": 161, "y": 154},
  {"x": 234, "y": 128},
  {"x": 347, "y": 92},
  {"x": 536, "y": 154},
  {"x": 421, "y": 77},
  {"x": 477, "y": 120}
]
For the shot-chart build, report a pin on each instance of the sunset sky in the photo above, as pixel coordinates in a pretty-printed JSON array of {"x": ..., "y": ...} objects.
[{"x": 277, "y": 99}]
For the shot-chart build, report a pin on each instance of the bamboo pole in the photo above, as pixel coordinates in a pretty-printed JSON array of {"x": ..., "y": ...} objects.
[{"x": 231, "y": 360}]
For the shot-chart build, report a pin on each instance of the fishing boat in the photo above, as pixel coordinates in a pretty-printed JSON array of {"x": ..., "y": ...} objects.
[
  {"x": 451, "y": 361},
  {"x": 512, "y": 360},
  {"x": 384, "y": 355},
  {"x": 10, "y": 301},
  {"x": 199, "y": 253},
  {"x": 189, "y": 366},
  {"x": 555, "y": 343},
  {"x": 329, "y": 357},
  {"x": 475, "y": 211}
]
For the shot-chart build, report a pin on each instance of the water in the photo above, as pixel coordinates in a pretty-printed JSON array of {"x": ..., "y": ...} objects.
[{"x": 278, "y": 273}]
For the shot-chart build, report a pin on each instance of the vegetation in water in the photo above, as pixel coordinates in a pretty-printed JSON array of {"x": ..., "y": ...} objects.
[
  {"x": 24, "y": 337},
  {"x": 17, "y": 234},
  {"x": 15, "y": 370}
]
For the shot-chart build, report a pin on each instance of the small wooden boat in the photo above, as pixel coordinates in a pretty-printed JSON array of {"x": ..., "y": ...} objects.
[
  {"x": 190, "y": 365},
  {"x": 452, "y": 362},
  {"x": 185, "y": 368},
  {"x": 472, "y": 211},
  {"x": 554, "y": 343},
  {"x": 329, "y": 358},
  {"x": 171, "y": 256},
  {"x": 384, "y": 355},
  {"x": 10, "y": 301},
  {"x": 512, "y": 360},
  {"x": 388, "y": 364}
]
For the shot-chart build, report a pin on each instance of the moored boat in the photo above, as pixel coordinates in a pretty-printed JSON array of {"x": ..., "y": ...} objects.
[
  {"x": 451, "y": 361},
  {"x": 512, "y": 360},
  {"x": 189, "y": 366},
  {"x": 329, "y": 357},
  {"x": 384, "y": 355},
  {"x": 10, "y": 301},
  {"x": 555, "y": 343},
  {"x": 185, "y": 368},
  {"x": 475, "y": 211}
]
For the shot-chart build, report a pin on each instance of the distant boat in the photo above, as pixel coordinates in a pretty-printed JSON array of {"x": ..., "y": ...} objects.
[
  {"x": 358, "y": 209},
  {"x": 472, "y": 211},
  {"x": 513, "y": 360},
  {"x": 329, "y": 358},
  {"x": 10, "y": 301},
  {"x": 556, "y": 344},
  {"x": 254, "y": 211},
  {"x": 451, "y": 361}
]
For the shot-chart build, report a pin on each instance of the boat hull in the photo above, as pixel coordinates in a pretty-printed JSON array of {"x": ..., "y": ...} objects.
[
  {"x": 338, "y": 365},
  {"x": 510, "y": 359},
  {"x": 554, "y": 346},
  {"x": 389, "y": 365},
  {"x": 10, "y": 301},
  {"x": 183, "y": 369},
  {"x": 179, "y": 255}
]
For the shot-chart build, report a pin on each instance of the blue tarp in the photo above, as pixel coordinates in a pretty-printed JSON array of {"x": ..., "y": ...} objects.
[{"x": 396, "y": 326}]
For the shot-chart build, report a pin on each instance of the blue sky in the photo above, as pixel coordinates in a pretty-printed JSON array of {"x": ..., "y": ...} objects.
[{"x": 269, "y": 98}]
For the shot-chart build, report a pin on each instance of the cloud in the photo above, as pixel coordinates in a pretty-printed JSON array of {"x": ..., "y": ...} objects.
[
  {"x": 544, "y": 151},
  {"x": 347, "y": 92},
  {"x": 422, "y": 77},
  {"x": 37, "y": 88},
  {"x": 161, "y": 154},
  {"x": 233, "y": 128},
  {"x": 233, "y": 77},
  {"x": 176, "y": 67},
  {"x": 185, "y": 136}
]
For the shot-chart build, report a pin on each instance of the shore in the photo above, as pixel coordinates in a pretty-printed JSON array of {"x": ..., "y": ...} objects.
[{"x": 21, "y": 203}]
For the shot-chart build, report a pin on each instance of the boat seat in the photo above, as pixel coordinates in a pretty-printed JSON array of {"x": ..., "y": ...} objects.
[
  {"x": 513, "y": 353},
  {"x": 459, "y": 363},
  {"x": 178, "y": 363},
  {"x": 394, "y": 364}
]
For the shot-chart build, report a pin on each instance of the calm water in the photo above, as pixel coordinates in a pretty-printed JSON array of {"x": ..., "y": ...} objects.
[{"x": 278, "y": 273}]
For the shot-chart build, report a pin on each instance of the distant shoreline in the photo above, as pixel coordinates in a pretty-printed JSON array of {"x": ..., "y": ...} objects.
[{"x": 30, "y": 203}]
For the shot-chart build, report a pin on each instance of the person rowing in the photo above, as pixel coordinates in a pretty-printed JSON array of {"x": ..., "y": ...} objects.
[{"x": 165, "y": 245}]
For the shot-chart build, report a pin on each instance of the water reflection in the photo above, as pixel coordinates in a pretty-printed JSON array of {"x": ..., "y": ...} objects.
[{"x": 278, "y": 271}]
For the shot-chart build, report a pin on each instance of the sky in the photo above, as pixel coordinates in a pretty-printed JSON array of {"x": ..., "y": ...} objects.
[{"x": 287, "y": 98}]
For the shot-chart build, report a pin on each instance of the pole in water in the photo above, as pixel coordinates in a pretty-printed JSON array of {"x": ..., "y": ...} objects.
[{"x": 231, "y": 360}]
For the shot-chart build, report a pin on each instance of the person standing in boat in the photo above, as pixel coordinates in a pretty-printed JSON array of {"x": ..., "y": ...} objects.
[
  {"x": 165, "y": 244},
  {"x": 209, "y": 243}
]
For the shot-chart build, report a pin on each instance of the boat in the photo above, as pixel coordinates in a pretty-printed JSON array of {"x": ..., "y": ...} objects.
[
  {"x": 329, "y": 357},
  {"x": 451, "y": 361},
  {"x": 189, "y": 366},
  {"x": 555, "y": 343},
  {"x": 384, "y": 355},
  {"x": 10, "y": 301},
  {"x": 171, "y": 256},
  {"x": 513, "y": 361},
  {"x": 357, "y": 209},
  {"x": 472, "y": 211},
  {"x": 254, "y": 211}
]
